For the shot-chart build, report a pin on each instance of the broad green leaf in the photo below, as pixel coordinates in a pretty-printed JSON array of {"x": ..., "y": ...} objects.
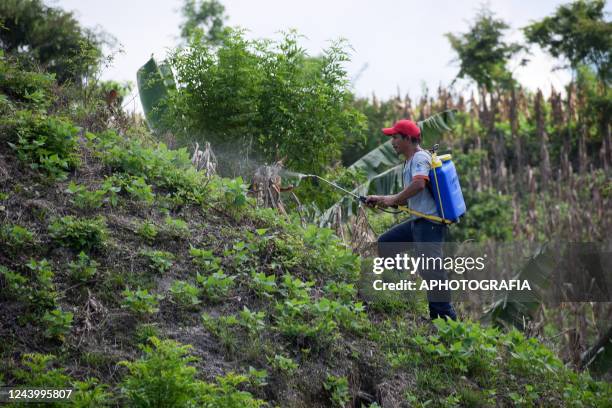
[{"x": 154, "y": 83}]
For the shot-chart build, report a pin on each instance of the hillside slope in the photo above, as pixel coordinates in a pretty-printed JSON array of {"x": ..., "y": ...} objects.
[{"x": 116, "y": 254}]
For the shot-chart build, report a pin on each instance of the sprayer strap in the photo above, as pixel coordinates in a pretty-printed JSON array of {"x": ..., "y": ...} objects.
[{"x": 426, "y": 216}]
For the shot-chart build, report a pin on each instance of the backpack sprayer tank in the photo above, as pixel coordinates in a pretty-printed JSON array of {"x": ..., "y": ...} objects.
[{"x": 445, "y": 188}]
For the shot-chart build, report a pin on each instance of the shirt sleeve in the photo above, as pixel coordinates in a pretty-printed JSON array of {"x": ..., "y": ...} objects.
[{"x": 422, "y": 165}]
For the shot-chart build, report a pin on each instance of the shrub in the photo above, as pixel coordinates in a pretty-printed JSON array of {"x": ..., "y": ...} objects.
[
  {"x": 48, "y": 143},
  {"x": 216, "y": 286},
  {"x": 176, "y": 228},
  {"x": 79, "y": 234},
  {"x": 161, "y": 261},
  {"x": 15, "y": 236},
  {"x": 184, "y": 294},
  {"x": 283, "y": 364},
  {"x": 338, "y": 389},
  {"x": 148, "y": 230},
  {"x": 162, "y": 377},
  {"x": 83, "y": 269},
  {"x": 140, "y": 302},
  {"x": 57, "y": 323}
]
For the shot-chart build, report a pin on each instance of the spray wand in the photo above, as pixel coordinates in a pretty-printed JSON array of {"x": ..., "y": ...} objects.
[{"x": 359, "y": 197}]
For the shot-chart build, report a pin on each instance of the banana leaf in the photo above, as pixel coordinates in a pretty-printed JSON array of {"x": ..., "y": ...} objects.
[
  {"x": 389, "y": 180},
  {"x": 155, "y": 81},
  {"x": 507, "y": 310}
]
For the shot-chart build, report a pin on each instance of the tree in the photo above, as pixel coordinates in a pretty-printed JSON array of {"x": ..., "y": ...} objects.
[
  {"x": 206, "y": 17},
  {"x": 49, "y": 37},
  {"x": 577, "y": 32},
  {"x": 264, "y": 99},
  {"x": 482, "y": 53}
]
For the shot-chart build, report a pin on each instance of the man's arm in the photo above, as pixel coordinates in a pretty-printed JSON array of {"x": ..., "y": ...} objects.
[{"x": 417, "y": 185}]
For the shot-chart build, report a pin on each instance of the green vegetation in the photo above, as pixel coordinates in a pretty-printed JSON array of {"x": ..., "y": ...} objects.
[
  {"x": 123, "y": 262},
  {"x": 79, "y": 233}
]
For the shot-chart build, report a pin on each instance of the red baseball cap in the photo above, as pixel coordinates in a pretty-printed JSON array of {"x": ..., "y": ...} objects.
[{"x": 404, "y": 127}]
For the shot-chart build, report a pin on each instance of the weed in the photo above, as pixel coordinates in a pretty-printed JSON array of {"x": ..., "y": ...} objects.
[
  {"x": 176, "y": 228},
  {"x": 141, "y": 302},
  {"x": 146, "y": 330},
  {"x": 223, "y": 329},
  {"x": 160, "y": 261},
  {"x": 263, "y": 285},
  {"x": 283, "y": 364},
  {"x": 216, "y": 286},
  {"x": 184, "y": 294},
  {"x": 148, "y": 231},
  {"x": 15, "y": 236},
  {"x": 205, "y": 259},
  {"x": 41, "y": 294},
  {"x": 46, "y": 143},
  {"x": 83, "y": 269},
  {"x": 253, "y": 322},
  {"x": 79, "y": 234},
  {"x": 85, "y": 199},
  {"x": 57, "y": 324},
  {"x": 337, "y": 387}
]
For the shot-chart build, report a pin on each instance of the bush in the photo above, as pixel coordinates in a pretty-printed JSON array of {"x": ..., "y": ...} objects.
[
  {"x": 338, "y": 389},
  {"x": 16, "y": 236},
  {"x": 57, "y": 324},
  {"x": 83, "y": 269},
  {"x": 147, "y": 230},
  {"x": 140, "y": 302},
  {"x": 160, "y": 261},
  {"x": 163, "y": 377},
  {"x": 184, "y": 294},
  {"x": 79, "y": 234},
  {"x": 216, "y": 286},
  {"x": 47, "y": 143}
]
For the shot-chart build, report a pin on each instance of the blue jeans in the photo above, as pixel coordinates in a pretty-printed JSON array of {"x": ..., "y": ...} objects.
[{"x": 426, "y": 238}]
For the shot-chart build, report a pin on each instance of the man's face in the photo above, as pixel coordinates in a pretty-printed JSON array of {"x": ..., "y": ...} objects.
[{"x": 400, "y": 144}]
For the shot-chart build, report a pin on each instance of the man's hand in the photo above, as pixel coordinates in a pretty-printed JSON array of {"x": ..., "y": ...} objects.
[{"x": 380, "y": 201}]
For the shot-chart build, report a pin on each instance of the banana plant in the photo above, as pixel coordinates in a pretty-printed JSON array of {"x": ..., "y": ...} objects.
[
  {"x": 384, "y": 167},
  {"x": 155, "y": 82}
]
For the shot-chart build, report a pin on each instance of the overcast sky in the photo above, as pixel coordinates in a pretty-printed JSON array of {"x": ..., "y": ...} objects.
[{"x": 395, "y": 43}]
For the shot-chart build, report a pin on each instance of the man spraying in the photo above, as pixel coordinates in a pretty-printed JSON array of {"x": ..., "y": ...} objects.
[{"x": 427, "y": 235}]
